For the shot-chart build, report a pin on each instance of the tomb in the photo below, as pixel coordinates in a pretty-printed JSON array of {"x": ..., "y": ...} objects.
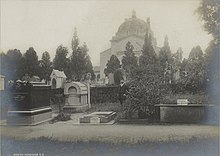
[
  {"x": 58, "y": 79},
  {"x": 182, "y": 112},
  {"x": 76, "y": 97},
  {"x": 98, "y": 117},
  {"x": 30, "y": 104}
]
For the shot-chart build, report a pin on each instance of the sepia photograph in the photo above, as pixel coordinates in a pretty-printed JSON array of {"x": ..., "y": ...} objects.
[{"x": 109, "y": 78}]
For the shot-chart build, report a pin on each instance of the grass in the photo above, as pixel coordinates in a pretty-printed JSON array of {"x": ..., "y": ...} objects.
[{"x": 48, "y": 147}]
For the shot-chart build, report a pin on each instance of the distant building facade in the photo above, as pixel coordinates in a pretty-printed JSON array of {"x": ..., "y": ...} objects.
[
  {"x": 96, "y": 70},
  {"x": 131, "y": 30}
]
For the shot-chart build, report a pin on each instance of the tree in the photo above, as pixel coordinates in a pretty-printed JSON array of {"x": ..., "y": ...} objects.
[
  {"x": 45, "y": 66},
  {"x": 112, "y": 65},
  {"x": 209, "y": 14},
  {"x": 165, "y": 56},
  {"x": 61, "y": 61},
  {"x": 118, "y": 76},
  {"x": 30, "y": 63},
  {"x": 129, "y": 61},
  {"x": 11, "y": 63},
  {"x": 88, "y": 65},
  {"x": 177, "y": 57},
  {"x": 146, "y": 90},
  {"x": 148, "y": 56},
  {"x": 80, "y": 62},
  {"x": 3, "y": 63},
  {"x": 195, "y": 69},
  {"x": 146, "y": 85}
]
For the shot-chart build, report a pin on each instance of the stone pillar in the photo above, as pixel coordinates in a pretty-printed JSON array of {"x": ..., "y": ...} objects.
[{"x": 88, "y": 87}]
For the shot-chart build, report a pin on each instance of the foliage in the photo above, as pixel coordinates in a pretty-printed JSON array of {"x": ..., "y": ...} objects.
[
  {"x": 166, "y": 61},
  {"x": 194, "y": 71},
  {"x": 45, "y": 66},
  {"x": 146, "y": 84},
  {"x": 148, "y": 56},
  {"x": 129, "y": 61},
  {"x": 61, "y": 61},
  {"x": 177, "y": 60},
  {"x": 104, "y": 94},
  {"x": 11, "y": 64},
  {"x": 212, "y": 61},
  {"x": 112, "y": 65},
  {"x": 3, "y": 63},
  {"x": 30, "y": 63},
  {"x": 80, "y": 62},
  {"x": 145, "y": 91},
  {"x": 61, "y": 117},
  {"x": 209, "y": 13},
  {"x": 118, "y": 76}
]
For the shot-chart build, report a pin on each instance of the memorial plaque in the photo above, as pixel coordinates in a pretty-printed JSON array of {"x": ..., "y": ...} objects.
[
  {"x": 182, "y": 101},
  {"x": 95, "y": 120}
]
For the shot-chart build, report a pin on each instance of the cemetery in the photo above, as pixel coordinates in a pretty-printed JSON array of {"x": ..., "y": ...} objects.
[
  {"x": 33, "y": 103},
  {"x": 149, "y": 82}
]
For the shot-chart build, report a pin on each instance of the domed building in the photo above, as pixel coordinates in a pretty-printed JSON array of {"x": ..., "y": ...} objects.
[{"x": 131, "y": 30}]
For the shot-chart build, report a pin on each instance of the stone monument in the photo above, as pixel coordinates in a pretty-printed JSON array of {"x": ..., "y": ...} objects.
[
  {"x": 30, "y": 104},
  {"x": 76, "y": 97}
]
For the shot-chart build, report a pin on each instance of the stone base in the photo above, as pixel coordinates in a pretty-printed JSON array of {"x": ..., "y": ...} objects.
[
  {"x": 75, "y": 108},
  {"x": 32, "y": 117},
  {"x": 182, "y": 113},
  {"x": 98, "y": 117}
]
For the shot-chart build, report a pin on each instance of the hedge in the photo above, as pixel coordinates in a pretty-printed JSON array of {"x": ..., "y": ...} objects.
[{"x": 104, "y": 94}]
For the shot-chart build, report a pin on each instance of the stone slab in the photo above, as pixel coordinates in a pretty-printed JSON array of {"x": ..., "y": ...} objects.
[{"x": 18, "y": 118}]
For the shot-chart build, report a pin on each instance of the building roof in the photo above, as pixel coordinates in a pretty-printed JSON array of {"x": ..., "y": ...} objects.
[
  {"x": 58, "y": 73},
  {"x": 131, "y": 26},
  {"x": 107, "y": 50}
]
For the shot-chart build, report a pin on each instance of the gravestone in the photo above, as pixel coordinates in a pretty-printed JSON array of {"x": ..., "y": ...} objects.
[{"x": 76, "y": 97}]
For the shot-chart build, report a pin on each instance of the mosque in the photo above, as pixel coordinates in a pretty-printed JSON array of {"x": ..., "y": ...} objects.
[{"x": 131, "y": 30}]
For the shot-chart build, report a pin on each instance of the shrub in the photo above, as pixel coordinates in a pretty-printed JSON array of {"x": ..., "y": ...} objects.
[{"x": 145, "y": 91}]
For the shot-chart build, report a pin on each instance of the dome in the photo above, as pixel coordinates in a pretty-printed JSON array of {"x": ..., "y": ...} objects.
[{"x": 131, "y": 26}]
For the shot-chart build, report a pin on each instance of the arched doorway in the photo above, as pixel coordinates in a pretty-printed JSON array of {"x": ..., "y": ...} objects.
[
  {"x": 54, "y": 84},
  {"x": 73, "y": 97}
]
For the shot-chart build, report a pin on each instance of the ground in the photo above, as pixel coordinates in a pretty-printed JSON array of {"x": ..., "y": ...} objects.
[{"x": 73, "y": 139}]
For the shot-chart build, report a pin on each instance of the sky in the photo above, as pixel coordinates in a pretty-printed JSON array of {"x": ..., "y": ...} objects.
[{"x": 45, "y": 24}]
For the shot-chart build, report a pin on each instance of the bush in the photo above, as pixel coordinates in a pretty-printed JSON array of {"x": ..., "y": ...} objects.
[
  {"x": 104, "y": 94},
  {"x": 61, "y": 117},
  {"x": 145, "y": 91}
]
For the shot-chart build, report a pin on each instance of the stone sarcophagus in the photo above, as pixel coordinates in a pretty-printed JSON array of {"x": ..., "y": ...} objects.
[
  {"x": 30, "y": 104},
  {"x": 76, "y": 97}
]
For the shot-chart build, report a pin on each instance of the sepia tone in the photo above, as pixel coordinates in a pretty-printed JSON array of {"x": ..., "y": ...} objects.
[{"x": 110, "y": 78}]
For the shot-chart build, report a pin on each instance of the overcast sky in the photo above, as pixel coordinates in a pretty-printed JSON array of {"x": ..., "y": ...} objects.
[{"x": 45, "y": 25}]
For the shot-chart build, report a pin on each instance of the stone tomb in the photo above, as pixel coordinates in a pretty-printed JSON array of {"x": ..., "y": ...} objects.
[
  {"x": 76, "y": 97},
  {"x": 98, "y": 117},
  {"x": 30, "y": 104},
  {"x": 182, "y": 113}
]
